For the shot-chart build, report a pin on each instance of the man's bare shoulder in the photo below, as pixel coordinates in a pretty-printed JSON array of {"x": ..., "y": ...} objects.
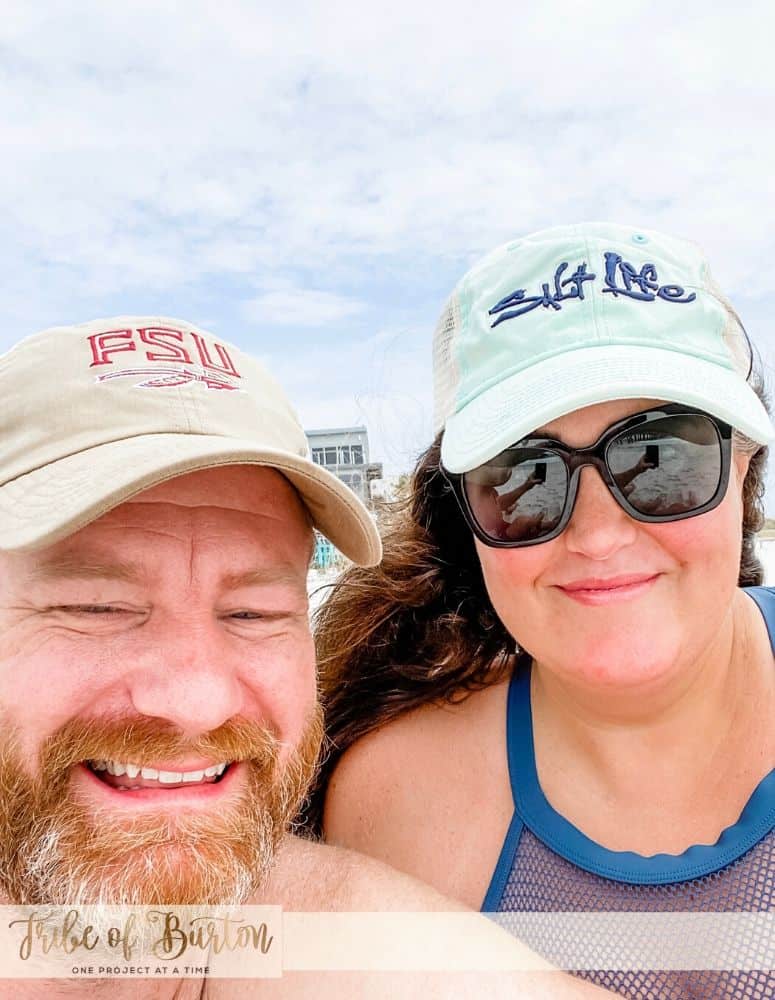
[
  {"x": 101, "y": 989},
  {"x": 407, "y": 986},
  {"x": 308, "y": 875}
]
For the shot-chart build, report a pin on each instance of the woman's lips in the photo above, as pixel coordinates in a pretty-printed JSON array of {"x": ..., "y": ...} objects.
[{"x": 609, "y": 590}]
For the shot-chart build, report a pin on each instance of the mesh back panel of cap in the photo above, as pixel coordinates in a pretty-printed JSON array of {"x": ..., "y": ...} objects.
[
  {"x": 736, "y": 341},
  {"x": 541, "y": 881},
  {"x": 446, "y": 375}
]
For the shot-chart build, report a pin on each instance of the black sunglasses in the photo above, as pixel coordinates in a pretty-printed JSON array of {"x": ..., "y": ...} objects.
[{"x": 664, "y": 464}]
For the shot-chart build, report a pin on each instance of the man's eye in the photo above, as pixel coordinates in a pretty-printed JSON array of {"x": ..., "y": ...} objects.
[
  {"x": 247, "y": 615},
  {"x": 88, "y": 609}
]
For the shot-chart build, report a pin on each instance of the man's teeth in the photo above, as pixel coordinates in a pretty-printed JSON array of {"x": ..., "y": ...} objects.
[{"x": 119, "y": 768}]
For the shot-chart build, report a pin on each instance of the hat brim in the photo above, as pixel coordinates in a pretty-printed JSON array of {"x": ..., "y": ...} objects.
[
  {"x": 556, "y": 386},
  {"x": 48, "y": 504}
]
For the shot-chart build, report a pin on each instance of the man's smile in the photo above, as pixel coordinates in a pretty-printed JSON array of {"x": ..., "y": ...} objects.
[
  {"x": 127, "y": 775},
  {"x": 156, "y": 786}
]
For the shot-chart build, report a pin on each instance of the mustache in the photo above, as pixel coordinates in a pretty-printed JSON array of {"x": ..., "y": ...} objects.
[
  {"x": 145, "y": 740},
  {"x": 56, "y": 849}
]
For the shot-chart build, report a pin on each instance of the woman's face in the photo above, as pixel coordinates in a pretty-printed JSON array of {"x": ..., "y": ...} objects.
[{"x": 613, "y": 600}]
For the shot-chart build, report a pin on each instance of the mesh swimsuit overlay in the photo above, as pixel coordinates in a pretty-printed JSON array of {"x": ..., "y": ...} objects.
[{"x": 548, "y": 867}]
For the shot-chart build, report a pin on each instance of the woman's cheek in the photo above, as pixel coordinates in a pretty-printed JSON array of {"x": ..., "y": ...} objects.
[
  {"x": 510, "y": 576},
  {"x": 705, "y": 540}
]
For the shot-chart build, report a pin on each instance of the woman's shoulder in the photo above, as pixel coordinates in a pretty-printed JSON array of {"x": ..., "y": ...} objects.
[
  {"x": 426, "y": 786},
  {"x": 420, "y": 747}
]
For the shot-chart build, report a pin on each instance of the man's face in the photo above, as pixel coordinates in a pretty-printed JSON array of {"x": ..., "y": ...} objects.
[{"x": 137, "y": 658}]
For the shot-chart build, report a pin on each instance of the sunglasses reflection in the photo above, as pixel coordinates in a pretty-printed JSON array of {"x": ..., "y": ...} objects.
[
  {"x": 659, "y": 465},
  {"x": 633, "y": 484},
  {"x": 512, "y": 524},
  {"x": 506, "y": 509},
  {"x": 626, "y": 480}
]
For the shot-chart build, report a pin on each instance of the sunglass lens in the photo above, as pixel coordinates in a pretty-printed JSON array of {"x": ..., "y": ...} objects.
[
  {"x": 669, "y": 466},
  {"x": 518, "y": 496}
]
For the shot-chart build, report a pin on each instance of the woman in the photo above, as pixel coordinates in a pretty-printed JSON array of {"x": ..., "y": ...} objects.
[{"x": 555, "y": 695}]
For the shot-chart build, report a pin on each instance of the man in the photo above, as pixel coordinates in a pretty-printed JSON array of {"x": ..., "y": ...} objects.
[{"x": 158, "y": 716}]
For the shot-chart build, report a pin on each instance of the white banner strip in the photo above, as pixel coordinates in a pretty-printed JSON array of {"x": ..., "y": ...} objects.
[{"x": 262, "y": 941}]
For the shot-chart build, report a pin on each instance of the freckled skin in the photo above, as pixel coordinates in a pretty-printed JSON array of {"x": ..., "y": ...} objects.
[{"x": 181, "y": 643}]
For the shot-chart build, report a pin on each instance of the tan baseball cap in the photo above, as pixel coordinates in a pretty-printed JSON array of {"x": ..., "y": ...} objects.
[{"x": 91, "y": 415}]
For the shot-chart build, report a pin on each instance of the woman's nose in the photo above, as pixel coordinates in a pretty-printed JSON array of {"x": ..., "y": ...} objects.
[{"x": 598, "y": 526}]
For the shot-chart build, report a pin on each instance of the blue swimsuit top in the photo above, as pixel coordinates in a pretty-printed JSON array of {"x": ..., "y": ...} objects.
[{"x": 547, "y": 865}]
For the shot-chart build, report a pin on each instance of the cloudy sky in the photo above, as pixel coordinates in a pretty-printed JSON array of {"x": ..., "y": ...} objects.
[{"x": 310, "y": 180}]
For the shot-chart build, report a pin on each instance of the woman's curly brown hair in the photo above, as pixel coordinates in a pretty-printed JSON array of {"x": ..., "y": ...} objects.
[{"x": 420, "y": 626}]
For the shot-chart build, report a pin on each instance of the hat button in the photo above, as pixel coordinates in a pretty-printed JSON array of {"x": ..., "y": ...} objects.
[{"x": 639, "y": 238}]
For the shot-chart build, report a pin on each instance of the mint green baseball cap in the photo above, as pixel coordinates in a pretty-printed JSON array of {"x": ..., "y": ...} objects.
[{"x": 583, "y": 314}]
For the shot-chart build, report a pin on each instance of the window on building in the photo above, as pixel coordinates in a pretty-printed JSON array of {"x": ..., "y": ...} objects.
[
  {"x": 330, "y": 454},
  {"x": 317, "y": 456},
  {"x": 357, "y": 454},
  {"x": 344, "y": 455}
]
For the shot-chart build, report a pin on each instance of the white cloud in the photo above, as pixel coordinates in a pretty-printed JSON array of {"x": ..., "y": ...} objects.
[
  {"x": 302, "y": 136},
  {"x": 297, "y": 166},
  {"x": 382, "y": 381},
  {"x": 299, "y": 307}
]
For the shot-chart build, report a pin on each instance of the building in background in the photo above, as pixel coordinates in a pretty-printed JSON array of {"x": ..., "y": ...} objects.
[{"x": 345, "y": 452}]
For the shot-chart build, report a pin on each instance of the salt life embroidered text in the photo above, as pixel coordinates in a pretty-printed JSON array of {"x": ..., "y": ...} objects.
[
  {"x": 621, "y": 278},
  {"x": 646, "y": 283},
  {"x": 547, "y": 298}
]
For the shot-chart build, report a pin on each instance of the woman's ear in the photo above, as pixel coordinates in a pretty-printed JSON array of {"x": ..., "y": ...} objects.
[{"x": 740, "y": 462}]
